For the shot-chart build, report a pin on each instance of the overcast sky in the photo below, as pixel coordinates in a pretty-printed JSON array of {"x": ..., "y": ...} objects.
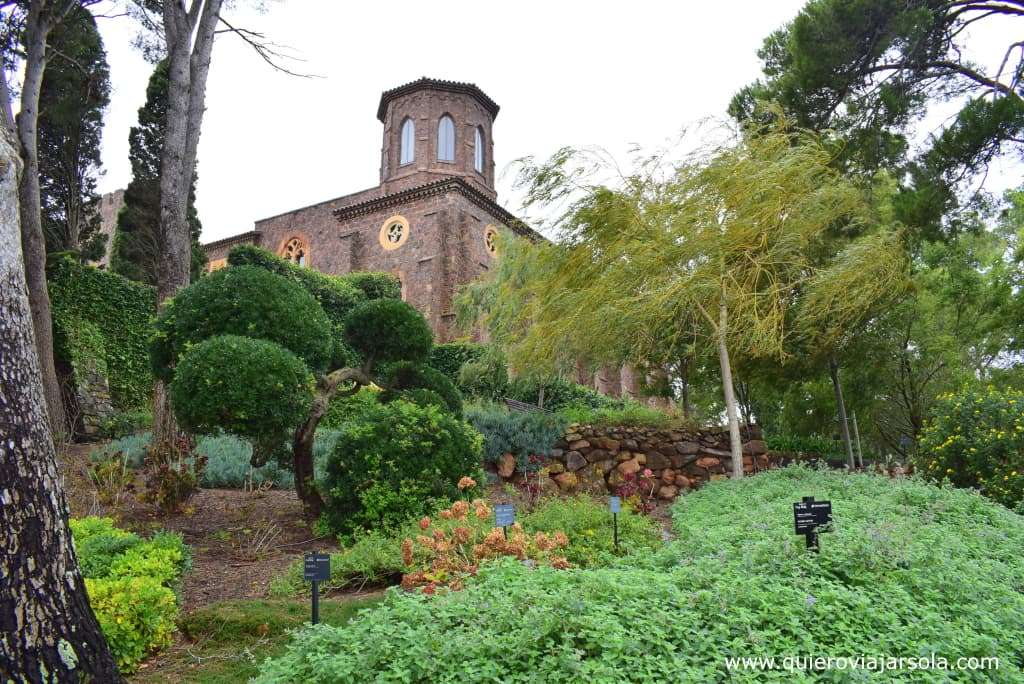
[{"x": 564, "y": 73}]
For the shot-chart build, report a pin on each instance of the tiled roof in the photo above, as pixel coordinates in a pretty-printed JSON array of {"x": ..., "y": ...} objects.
[
  {"x": 436, "y": 84},
  {"x": 251, "y": 236}
]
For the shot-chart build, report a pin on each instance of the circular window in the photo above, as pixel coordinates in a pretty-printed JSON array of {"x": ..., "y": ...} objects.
[
  {"x": 296, "y": 251},
  {"x": 394, "y": 232},
  {"x": 491, "y": 240}
]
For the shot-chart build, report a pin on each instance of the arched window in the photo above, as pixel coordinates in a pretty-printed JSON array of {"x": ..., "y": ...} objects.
[
  {"x": 296, "y": 251},
  {"x": 408, "y": 150},
  {"x": 478, "y": 151},
  {"x": 446, "y": 139}
]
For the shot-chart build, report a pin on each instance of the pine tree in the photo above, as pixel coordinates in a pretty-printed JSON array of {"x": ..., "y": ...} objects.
[
  {"x": 74, "y": 93},
  {"x": 136, "y": 250}
]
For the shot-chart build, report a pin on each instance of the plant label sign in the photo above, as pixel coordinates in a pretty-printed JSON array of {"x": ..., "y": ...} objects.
[
  {"x": 615, "y": 504},
  {"x": 808, "y": 515},
  {"x": 504, "y": 515},
  {"x": 316, "y": 567}
]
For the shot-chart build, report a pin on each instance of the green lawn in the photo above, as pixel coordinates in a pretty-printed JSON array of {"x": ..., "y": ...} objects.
[{"x": 225, "y": 642}]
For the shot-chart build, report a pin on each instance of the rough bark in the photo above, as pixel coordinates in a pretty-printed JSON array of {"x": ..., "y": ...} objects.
[
  {"x": 188, "y": 68},
  {"x": 38, "y": 25},
  {"x": 302, "y": 444},
  {"x": 735, "y": 445},
  {"x": 48, "y": 632},
  {"x": 844, "y": 424}
]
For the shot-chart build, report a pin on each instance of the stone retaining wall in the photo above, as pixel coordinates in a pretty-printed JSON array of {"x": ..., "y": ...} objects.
[{"x": 599, "y": 459}]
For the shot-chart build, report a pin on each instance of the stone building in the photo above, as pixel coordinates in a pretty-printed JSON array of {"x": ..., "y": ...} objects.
[
  {"x": 109, "y": 206},
  {"x": 432, "y": 219}
]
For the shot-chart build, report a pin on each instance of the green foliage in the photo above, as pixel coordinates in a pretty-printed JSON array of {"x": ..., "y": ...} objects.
[
  {"x": 243, "y": 301},
  {"x": 388, "y": 330},
  {"x": 627, "y": 413},
  {"x": 486, "y": 378},
  {"x": 588, "y": 524},
  {"x": 342, "y": 409},
  {"x": 122, "y": 424},
  {"x": 522, "y": 434},
  {"x": 558, "y": 393},
  {"x": 131, "y": 585},
  {"x": 449, "y": 358},
  {"x": 72, "y": 96},
  {"x": 408, "y": 380},
  {"x": 101, "y": 320},
  {"x": 909, "y": 569},
  {"x": 375, "y": 285},
  {"x": 245, "y": 386},
  {"x": 975, "y": 438},
  {"x": 810, "y": 444},
  {"x": 372, "y": 559},
  {"x": 395, "y": 462},
  {"x": 136, "y": 251},
  {"x": 229, "y": 465},
  {"x": 130, "y": 448}
]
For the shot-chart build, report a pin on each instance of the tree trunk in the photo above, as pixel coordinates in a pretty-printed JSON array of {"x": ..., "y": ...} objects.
[
  {"x": 48, "y": 632},
  {"x": 844, "y": 425},
  {"x": 32, "y": 242},
  {"x": 684, "y": 394},
  {"x": 735, "y": 445},
  {"x": 188, "y": 68},
  {"x": 302, "y": 464}
]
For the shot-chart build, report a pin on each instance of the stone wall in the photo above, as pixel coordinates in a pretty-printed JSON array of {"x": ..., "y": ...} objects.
[{"x": 598, "y": 459}]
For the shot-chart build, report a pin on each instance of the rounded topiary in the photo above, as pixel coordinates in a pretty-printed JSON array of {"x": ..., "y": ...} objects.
[
  {"x": 403, "y": 376},
  {"x": 247, "y": 301},
  {"x": 388, "y": 330},
  {"x": 394, "y": 462},
  {"x": 975, "y": 439},
  {"x": 251, "y": 388}
]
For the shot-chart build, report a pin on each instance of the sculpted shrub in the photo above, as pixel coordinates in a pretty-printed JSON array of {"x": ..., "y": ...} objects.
[
  {"x": 394, "y": 462},
  {"x": 976, "y": 439}
]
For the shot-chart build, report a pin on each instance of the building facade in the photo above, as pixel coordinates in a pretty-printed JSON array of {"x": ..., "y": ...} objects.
[{"x": 432, "y": 219}]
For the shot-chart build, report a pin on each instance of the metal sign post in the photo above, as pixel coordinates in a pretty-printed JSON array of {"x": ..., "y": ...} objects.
[
  {"x": 504, "y": 517},
  {"x": 316, "y": 567},
  {"x": 615, "y": 504}
]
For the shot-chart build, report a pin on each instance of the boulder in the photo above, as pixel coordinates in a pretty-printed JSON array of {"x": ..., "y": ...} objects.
[
  {"x": 657, "y": 461},
  {"x": 686, "y": 448},
  {"x": 566, "y": 481},
  {"x": 682, "y": 482},
  {"x": 630, "y": 467},
  {"x": 579, "y": 444},
  {"x": 609, "y": 444},
  {"x": 668, "y": 476},
  {"x": 668, "y": 492},
  {"x": 679, "y": 461},
  {"x": 596, "y": 455},
  {"x": 623, "y": 456},
  {"x": 720, "y": 453},
  {"x": 574, "y": 460},
  {"x": 640, "y": 458},
  {"x": 708, "y": 462},
  {"x": 573, "y": 436},
  {"x": 507, "y": 465},
  {"x": 630, "y": 444}
]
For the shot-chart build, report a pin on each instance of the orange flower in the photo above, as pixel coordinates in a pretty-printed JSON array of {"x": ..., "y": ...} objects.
[
  {"x": 446, "y": 514},
  {"x": 462, "y": 534},
  {"x": 438, "y": 535},
  {"x": 430, "y": 589},
  {"x": 543, "y": 542},
  {"x": 482, "y": 513},
  {"x": 560, "y": 563},
  {"x": 425, "y": 541},
  {"x": 407, "y": 551},
  {"x": 561, "y": 540},
  {"x": 460, "y": 509},
  {"x": 466, "y": 482},
  {"x": 424, "y": 523}
]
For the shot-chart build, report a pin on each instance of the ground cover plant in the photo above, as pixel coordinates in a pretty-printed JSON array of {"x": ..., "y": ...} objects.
[
  {"x": 132, "y": 585},
  {"x": 909, "y": 569}
]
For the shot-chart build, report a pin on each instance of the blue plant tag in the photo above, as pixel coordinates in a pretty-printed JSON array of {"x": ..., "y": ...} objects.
[
  {"x": 504, "y": 515},
  {"x": 615, "y": 504}
]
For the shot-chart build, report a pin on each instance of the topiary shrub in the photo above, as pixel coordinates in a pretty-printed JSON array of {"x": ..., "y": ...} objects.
[
  {"x": 388, "y": 330},
  {"x": 449, "y": 358},
  {"x": 403, "y": 378},
  {"x": 397, "y": 461},
  {"x": 244, "y": 386},
  {"x": 242, "y": 301},
  {"x": 975, "y": 438}
]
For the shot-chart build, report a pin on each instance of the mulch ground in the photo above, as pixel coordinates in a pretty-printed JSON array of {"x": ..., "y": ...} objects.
[{"x": 240, "y": 540}]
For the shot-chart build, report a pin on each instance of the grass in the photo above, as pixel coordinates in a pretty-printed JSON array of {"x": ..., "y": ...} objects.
[{"x": 225, "y": 642}]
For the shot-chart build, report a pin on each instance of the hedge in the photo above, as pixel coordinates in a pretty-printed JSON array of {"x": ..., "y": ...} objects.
[
  {"x": 100, "y": 317},
  {"x": 449, "y": 358}
]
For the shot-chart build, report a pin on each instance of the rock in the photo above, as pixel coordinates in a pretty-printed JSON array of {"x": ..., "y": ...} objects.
[
  {"x": 606, "y": 466},
  {"x": 610, "y": 444},
  {"x": 668, "y": 492},
  {"x": 755, "y": 447},
  {"x": 630, "y": 467},
  {"x": 624, "y": 456},
  {"x": 720, "y": 453},
  {"x": 682, "y": 481},
  {"x": 630, "y": 444},
  {"x": 675, "y": 436},
  {"x": 687, "y": 448},
  {"x": 708, "y": 462},
  {"x": 596, "y": 455},
  {"x": 640, "y": 458},
  {"x": 657, "y": 461},
  {"x": 573, "y": 436},
  {"x": 679, "y": 461},
  {"x": 547, "y": 485},
  {"x": 566, "y": 481},
  {"x": 507, "y": 465},
  {"x": 557, "y": 453},
  {"x": 578, "y": 444},
  {"x": 668, "y": 476},
  {"x": 555, "y": 468},
  {"x": 574, "y": 460}
]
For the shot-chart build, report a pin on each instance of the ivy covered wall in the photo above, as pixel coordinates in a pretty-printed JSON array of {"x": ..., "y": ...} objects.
[{"x": 100, "y": 327}]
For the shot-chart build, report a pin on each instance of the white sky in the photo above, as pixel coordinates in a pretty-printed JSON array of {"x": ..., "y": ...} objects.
[{"x": 564, "y": 73}]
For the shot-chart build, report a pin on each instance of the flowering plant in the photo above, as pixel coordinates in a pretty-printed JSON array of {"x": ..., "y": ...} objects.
[
  {"x": 638, "y": 489},
  {"x": 462, "y": 536}
]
